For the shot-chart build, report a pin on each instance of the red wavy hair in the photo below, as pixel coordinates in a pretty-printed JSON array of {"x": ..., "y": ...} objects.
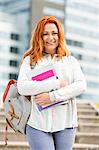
[{"x": 36, "y": 49}]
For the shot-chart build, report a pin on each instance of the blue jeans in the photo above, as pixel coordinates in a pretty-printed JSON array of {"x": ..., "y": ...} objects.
[{"x": 61, "y": 140}]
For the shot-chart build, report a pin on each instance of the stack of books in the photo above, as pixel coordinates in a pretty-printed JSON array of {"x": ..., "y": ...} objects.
[{"x": 45, "y": 73}]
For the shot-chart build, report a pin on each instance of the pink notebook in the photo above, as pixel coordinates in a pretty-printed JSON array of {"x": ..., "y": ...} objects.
[
  {"x": 45, "y": 72},
  {"x": 44, "y": 75}
]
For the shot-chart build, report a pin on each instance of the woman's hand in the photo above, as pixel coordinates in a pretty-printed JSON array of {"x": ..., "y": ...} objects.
[{"x": 43, "y": 99}]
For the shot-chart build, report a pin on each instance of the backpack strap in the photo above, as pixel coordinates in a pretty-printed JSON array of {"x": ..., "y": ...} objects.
[
  {"x": 7, "y": 89},
  {"x": 12, "y": 112},
  {"x": 6, "y": 129},
  {"x": 13, "y": 115}
]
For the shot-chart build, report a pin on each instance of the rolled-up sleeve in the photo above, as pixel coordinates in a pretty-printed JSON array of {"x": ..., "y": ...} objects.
[
  {"x": 29, "y": 87},
  {"x": 77, "y": 87}
]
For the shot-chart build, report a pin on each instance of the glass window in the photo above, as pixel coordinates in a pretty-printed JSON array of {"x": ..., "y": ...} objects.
[
  {"x": 14, "y": 49},
  {"x": 74, "y": 43},
  {"x": 13, "y": 63},
  {"x": 13, "y": 76},
  {"x": 14, "y": 36}
]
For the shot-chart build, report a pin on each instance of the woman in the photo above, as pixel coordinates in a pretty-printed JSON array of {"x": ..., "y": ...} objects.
[{"x": 53, "y": 128}]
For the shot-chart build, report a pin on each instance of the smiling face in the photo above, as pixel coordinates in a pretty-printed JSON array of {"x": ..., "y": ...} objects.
[{"x": 50, "y": 38}]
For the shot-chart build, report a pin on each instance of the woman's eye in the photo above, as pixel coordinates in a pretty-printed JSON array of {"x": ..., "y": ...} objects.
[
  {"x": 55, "y": 33},
  {"x": 45, "y": 34}
]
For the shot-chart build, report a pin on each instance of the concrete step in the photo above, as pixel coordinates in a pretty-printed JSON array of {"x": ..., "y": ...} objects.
[
  {"x": 79, "y": 146},
  {"x": 88, "y": 122},
  {"x": 12, "y": 136},
  {"x": 88, "y": 119},
  {"x": 86, "y": 112},
  {"x": 81, "y": 137},
  {"x": 88, "y": 127},
  {"x": 87, "y": 138},
  {"x": 3, "y": 125},
  {"x": 14, "y": 146},
  {"x": 84, "y": 106},
  {"x": 81, "y": 110},
  {"x": 25, "y": 146},
  {"x": 83, "y": 103},
  {"x": 82, "y": 127}
]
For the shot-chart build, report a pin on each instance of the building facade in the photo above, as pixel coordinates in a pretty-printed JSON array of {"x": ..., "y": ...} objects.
[
  {"x": 9, "y": 50},
  {"x": 14, "y": 38},
  {"x": 82, "y": 33},
  {"x": 47, "y": 7},
  {"x": 20, "y": 9}
]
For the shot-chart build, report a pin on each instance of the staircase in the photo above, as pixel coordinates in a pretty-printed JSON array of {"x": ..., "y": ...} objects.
[{"x": 87, "y": 136}]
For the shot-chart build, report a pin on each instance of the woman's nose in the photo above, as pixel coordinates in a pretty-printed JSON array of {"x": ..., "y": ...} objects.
[{"x": 50, "y": 36}]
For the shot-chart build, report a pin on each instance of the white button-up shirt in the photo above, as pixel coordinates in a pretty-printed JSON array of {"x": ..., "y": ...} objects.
[{"x": 61, "y": 116}]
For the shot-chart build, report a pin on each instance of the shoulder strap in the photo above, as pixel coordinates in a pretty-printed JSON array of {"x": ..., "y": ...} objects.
[
  {"x": 7, "y": 88},
  {"x": 13, "y": 115}
]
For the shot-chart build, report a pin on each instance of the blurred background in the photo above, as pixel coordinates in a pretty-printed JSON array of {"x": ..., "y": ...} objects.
[{"x": 80, "y": 19}]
